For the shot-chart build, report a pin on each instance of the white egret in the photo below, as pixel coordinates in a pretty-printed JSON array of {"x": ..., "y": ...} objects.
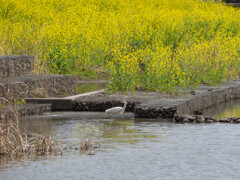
[{"x": 116, "y": 110}]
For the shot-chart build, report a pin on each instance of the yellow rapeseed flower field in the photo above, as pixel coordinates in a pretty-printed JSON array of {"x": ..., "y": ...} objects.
[{"x": 159, "y": 45}]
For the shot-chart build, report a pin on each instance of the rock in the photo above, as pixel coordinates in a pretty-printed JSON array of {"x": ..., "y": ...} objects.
[
  {"x": 215, "y": 120},
  {"x": 185, "y": 120},
  {"x": 200, "y": 119},
  {"x": 198, "y": 113},
  {"x": 226, "y": 120},
  {"x": 209, "y": 121},
  {"x": 178, "y": 118}
]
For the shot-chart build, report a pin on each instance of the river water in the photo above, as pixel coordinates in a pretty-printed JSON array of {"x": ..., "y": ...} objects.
[
  {"x": 88, "y": 87},
  {"x": 130, "y": 149}
]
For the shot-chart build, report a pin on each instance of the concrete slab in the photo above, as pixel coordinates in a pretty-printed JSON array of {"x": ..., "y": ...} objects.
[
  {"x": 159, "y": 105},
  {"x": 61, "y": 104},
  {"x": 58, "y": 104},
  {"x": 84, "y": 94},
  {"x": 147, "y": 104}
]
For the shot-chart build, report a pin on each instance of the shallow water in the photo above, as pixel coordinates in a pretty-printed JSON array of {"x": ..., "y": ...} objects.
[
  {"x": 88, "y": 87},
  {"x": 227, "y": 109},
  {"x": 131, "y": 149}
]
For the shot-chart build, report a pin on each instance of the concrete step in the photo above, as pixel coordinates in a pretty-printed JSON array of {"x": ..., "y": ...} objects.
[
  {"x": 61, "y": 104},
  {"x": 38, "y": 85},
  {"x": 11, "y": 66}
]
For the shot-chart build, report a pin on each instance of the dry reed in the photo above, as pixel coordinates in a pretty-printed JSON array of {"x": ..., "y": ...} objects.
[
  {"x": 12, "y": 142},
  {"x": 87, "y": 147}
]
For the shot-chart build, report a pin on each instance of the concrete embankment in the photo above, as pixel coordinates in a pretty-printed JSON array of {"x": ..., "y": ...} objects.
[
  {"x": 17, "y": 80},
  {"x": 148, "y": 104},
  {"x": 17, "y": 77}
]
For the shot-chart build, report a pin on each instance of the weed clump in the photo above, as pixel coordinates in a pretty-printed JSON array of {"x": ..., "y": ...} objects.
[
  {"x": 12, "y": 141},
  {"x": 87, "y": 147}
]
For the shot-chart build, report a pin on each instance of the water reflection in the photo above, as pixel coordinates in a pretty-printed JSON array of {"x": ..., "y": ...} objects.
[
  {"x": 228, "y": 109},
  {"x": 18, "y": 161},
  {"x": 69, "y": 131},
  {"x": 131, "y": 149},
  {"x": 88, "y": 87}
]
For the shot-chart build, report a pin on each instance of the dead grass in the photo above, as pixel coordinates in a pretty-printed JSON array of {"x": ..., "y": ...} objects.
[
  {"x": 88, "y": 147},
  {"x": 12, "y": 142}
]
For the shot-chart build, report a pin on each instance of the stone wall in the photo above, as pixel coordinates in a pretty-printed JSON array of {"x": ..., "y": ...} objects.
[
  {"x": 210, "y": 99},
  {"x": 154, "y": 112},
  {"x": 39, "y": 85},
  {"x": 11, "y": 66}
]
